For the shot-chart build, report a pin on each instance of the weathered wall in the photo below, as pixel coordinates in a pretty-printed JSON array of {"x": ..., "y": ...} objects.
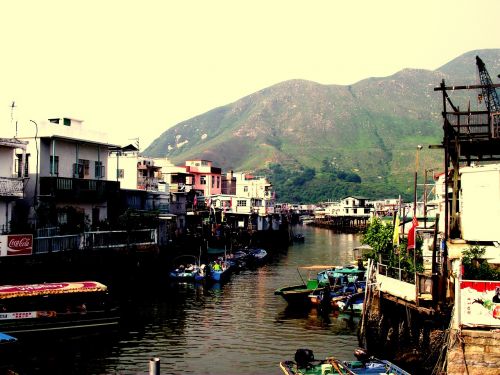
[{"x": 474, "y": 352}]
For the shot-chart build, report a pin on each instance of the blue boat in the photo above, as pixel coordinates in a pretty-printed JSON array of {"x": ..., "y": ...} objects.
[
  {"x": 257, "y": 255},
  {"x": 219, "y": 269},
  {"x": 6, "y": 339},
  {"x": 188, "y": 270}
]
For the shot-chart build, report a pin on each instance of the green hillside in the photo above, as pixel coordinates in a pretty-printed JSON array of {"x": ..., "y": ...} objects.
[{"x": 357, "y": 139}]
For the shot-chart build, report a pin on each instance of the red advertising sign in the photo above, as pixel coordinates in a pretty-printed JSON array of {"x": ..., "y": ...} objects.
[
  {"x": 480, "y": 303},
  {"x": 19, "y": 244}
]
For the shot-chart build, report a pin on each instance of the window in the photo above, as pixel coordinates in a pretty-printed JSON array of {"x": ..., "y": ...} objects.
[
  {"x": 98, "y": 169},
  {"x": 120, "y": 173},
  {"x": 54, "y": 165},
  {"x": 245, "y": 189},
  {"x": 203, "y": 180},
  {"x": 213, "y": 182},
  {"x": 67, "y": 121},
  {"x": 62, "y": 217},
  {"x": 85, "y": 166},
  {"x": 19, "y": 164},
  {"x": 241, "y": 203},
  {"x": 218, "y": 181}
]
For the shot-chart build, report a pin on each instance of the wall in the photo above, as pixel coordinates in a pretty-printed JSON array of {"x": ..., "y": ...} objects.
[
  {"x": 6, "y": 165},
  {"x": 474, "y": 352}
]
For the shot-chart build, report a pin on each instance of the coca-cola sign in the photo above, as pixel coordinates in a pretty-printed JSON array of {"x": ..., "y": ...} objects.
[{"x": 17, "y": 244}]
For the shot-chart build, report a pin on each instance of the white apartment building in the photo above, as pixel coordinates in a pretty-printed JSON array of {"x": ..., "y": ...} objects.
[{"x": 68, "y": 167}]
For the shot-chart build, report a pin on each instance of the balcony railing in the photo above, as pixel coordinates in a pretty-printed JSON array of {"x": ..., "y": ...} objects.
[
  {"x": 84, "y": 190},
  {"x": 94, "y": 240},
  {"x": 11, "y": 187}
]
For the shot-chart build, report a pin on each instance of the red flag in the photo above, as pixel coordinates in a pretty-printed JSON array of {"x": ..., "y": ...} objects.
[{"x": 412, "y": 234}]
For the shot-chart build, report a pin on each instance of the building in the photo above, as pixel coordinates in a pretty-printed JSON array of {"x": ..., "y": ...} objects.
[
  {"x": 68, "y": 181},
  {"x": 141, "y": 180},
  {"x": 256, "y": 188},
  {"x": 207, "y": 179},
  {"x": 13, "y": 174}
]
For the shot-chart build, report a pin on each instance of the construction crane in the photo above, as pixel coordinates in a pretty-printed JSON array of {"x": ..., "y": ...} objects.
[{"x": 489, "y": 92}]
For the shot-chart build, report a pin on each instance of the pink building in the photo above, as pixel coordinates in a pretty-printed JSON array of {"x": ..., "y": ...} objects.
[{"x": 207, "y": 179}]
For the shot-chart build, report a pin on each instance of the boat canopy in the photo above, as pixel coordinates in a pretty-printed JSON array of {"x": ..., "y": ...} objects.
[
  {"x": 6, "y": 338},
  {"x": 30, "y": 290},
  {"x": 317, "y": 267}
]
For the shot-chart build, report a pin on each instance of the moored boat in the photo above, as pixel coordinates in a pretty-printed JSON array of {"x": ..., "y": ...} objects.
[
  {"x": 305, "y": 364},
  {"x": 55, "y": 307},
  {"x": 257, "y": 255},
  {"x": 352, "y": 303},
  {"x": 298, "y": 295},
  {"x": 219, "y": 269},
  {"x": 189, "y": 270},
  {"x": 337, "y": 293}
]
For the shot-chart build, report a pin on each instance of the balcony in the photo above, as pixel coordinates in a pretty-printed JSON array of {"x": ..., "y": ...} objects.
[
  {"x": 11, "y": 187},
  {"x": 76, "y": 189},
  {"x": 148, "y": 183}
]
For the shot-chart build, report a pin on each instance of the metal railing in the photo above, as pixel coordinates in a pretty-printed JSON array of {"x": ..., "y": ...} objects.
[
  {"x": 396, "y": 273},
  {"x": 94, "y": 240},
  {"x": 119, "y": 238}
]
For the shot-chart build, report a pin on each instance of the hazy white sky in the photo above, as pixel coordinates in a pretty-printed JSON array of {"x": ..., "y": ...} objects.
[{"x": 136, "y": 68}]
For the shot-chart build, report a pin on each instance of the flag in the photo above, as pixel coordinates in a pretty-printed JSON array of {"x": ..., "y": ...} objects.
[
  {"x": 195, "y": 201},
  {"x": 412, "y": 234},
  {"x": 395, "y": 236}
]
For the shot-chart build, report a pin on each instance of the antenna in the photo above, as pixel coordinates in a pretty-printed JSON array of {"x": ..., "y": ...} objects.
[
  {"x": 136, "y": 142},
  {"x": 12, "y": 106}
]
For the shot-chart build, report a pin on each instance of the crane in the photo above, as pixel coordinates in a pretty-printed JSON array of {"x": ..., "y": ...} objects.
[
  {"x": 490, "y": 96},
  {"x": 489, "y": 92}
]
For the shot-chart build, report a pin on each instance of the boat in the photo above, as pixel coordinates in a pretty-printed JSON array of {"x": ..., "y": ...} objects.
[
  {"x": 6, "y": 339},
  {"x": 305, "y": 364},
  {"x": 55, "y": 307},
  {"x": 238, "y": 259},
  {"x": 345, "y": 274},
  {"x": 215, "y": 250},
  {"x": 257, "y": 255},
  {"x": 298, "y": 295},
  {"x": 352, "y": 303},
  {"x": 219, "y": 269},
  {"x": 189, "y": 270},
  {"x": 8, "y": 349},
  {"x": 306, "y": 219},
  {"x": 338, "y": 293}
]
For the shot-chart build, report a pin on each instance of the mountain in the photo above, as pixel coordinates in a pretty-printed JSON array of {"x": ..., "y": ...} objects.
[{"x": 315, "y": 133}]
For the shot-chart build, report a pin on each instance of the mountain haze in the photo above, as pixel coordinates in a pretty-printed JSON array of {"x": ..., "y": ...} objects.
[{"x": 370, "y": 128}]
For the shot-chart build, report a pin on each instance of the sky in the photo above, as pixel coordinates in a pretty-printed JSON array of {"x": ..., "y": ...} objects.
[{"x": 136, "y": 68}]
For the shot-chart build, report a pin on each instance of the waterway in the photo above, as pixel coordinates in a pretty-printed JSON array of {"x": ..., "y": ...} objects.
[{"x": 238, "y": 327}]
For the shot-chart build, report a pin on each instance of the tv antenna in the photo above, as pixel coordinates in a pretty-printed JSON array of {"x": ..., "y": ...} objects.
[
  {"x": 12, "y": 106},
  {"x": 136, "y": 142}
]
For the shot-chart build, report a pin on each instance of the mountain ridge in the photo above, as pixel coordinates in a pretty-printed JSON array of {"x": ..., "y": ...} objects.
[{"x": 370, "y": 128}]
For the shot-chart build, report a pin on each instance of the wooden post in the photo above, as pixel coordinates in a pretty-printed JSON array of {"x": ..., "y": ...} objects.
[{"x": 154, "y": 366}]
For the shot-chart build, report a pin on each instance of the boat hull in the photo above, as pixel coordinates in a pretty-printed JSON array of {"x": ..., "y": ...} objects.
[
  {"x": 297, "y": 295},
  {"x": 60, "y": 323}
]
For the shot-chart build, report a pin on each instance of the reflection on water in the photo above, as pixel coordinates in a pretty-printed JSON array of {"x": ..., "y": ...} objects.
[{"x": 237, "y": 327}]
